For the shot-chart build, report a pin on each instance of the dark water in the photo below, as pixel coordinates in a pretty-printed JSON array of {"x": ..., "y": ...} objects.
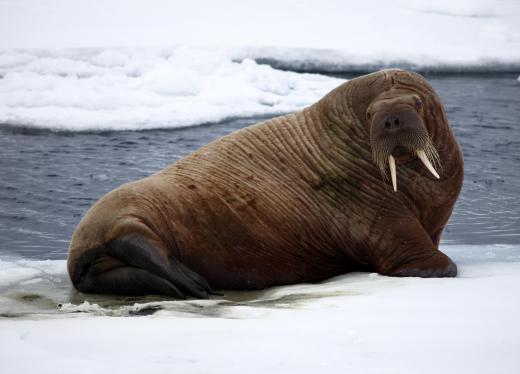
[{"x": 48, "y": 180}]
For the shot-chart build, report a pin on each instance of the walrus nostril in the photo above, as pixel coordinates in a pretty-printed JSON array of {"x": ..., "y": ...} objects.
[{"x": 391, "y": 122}]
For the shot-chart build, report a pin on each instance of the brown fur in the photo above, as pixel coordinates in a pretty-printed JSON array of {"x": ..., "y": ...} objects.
[{"x": 293, "y": 199}]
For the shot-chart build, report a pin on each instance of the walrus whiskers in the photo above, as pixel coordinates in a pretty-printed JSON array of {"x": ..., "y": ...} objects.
[{"x": 417, "y": 142}]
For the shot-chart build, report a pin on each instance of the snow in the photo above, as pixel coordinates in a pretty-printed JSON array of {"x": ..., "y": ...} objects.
[
  {"x": 24, "y": 270},
  {"x": 75, "y": 65},
  {"x": 142, "y": 89},
  {"x": 464, "y": 30},
  {"x": 360, "y": 322}
]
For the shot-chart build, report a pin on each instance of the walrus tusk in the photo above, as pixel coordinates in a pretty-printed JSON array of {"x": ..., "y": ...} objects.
[
  {"x": 393, "y": 173},
  {"x": 427, "y": 163}
]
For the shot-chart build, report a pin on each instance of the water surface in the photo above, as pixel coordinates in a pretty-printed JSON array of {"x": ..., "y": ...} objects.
[{"x": 49, "y": 179}]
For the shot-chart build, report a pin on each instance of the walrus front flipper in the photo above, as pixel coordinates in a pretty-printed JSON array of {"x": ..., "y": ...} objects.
[
  {"x": 410, "y": 252},
  {"x": 139, "y": 252}
]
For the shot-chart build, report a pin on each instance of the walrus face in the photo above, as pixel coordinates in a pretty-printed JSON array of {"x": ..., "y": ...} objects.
[{"x": 397, "y": 130}]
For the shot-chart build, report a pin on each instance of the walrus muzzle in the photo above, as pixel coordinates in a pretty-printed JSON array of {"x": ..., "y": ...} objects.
[{"x": 397, "y": 130}]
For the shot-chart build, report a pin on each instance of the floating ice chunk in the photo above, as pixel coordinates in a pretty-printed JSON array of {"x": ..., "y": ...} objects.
[
  {"x": 143, "y": 89},
  {"x": 22, "y": 270}
]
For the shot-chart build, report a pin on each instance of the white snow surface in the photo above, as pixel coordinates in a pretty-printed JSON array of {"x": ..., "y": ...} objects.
[
  {"x": 464, "y": 31},
  {"x": 127, "y": 64},
  {"x": 359, "y": 323},
  {"x": 121, "y": 89}
]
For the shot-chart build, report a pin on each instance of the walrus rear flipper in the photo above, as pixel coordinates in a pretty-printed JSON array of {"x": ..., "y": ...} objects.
[
  {"x": 132, "y": 265},
  {"x": 128, "y": 280}
]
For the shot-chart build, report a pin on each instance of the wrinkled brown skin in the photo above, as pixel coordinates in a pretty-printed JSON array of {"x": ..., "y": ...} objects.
[{"x": 293, "y": 199}]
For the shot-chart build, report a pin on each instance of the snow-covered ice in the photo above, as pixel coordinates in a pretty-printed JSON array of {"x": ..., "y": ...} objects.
[
  {"x": 118, "y": 89},
  {"x": 361, "y": 323},
  {"x": 420, "y": 31},
  {"x": 75, "y": 65}
]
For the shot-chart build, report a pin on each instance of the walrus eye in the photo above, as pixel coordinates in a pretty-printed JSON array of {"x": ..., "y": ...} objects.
[
  {"x": 418, "y": 104},
  {"x": 369, "y": 115}
]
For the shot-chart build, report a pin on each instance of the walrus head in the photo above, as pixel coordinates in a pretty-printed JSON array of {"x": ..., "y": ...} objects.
[{"x": 398, "y": 131}]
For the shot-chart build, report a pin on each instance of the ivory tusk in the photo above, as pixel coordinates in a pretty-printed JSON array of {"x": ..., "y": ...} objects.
[
  {"x": 422, "y": 156},
  {"x": 393, "y": 173}
]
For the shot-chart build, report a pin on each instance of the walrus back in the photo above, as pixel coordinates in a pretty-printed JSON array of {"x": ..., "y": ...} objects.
[
  {"x": 248, "y": 207},
  {"x": 251, "y": 189}
]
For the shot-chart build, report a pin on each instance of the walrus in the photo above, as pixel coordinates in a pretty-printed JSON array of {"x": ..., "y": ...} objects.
[{"x": 365, "y": 179}]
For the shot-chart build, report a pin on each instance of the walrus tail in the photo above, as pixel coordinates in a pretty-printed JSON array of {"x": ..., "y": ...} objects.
[{"x": 131, "y": 265}]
